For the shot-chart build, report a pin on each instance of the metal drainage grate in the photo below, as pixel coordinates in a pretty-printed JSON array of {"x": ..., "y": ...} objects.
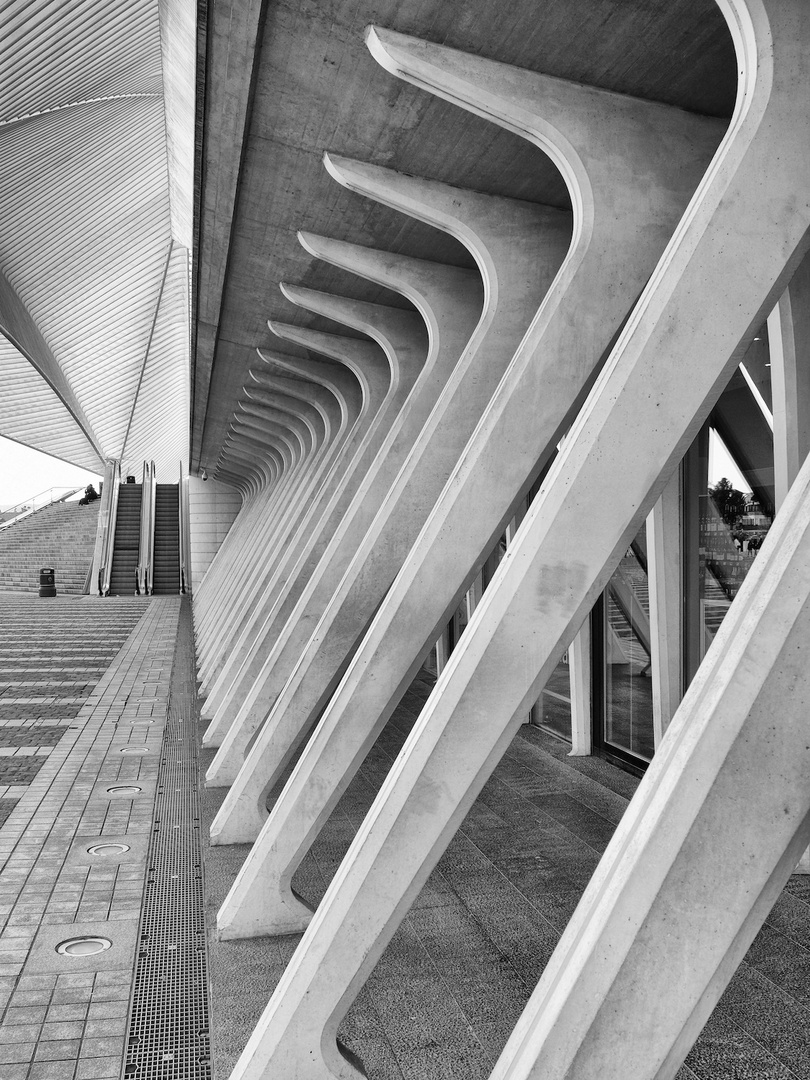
[{"x": 168, "y": 1032}]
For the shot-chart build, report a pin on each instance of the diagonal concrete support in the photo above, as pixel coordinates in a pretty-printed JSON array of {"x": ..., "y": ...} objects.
[
  {"x": 611, "y": 977},
  {"x": 400, "y": 335},
  {"x": 702, "y": 853},
  {"x": 367, "y": 363},
  {"x": 357, "y": 314},
  {"x": 350, "y": 391},
  {"x": 390, "y": 268},
  {"x": 252, "y": 414},
  {"x": 519, "y": 249},
  {"x": 449, "y": 300},
  {"x": 388, "y": 390},
  {"x": 329, "y": 427},
  {"x": 617, "y": 154}
]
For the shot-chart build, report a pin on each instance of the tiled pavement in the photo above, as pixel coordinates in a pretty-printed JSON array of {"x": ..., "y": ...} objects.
[
  {"x": 83, "y": 682},
  {"x": 447, "y": 991},
  {"x": 449, "y": 988}
]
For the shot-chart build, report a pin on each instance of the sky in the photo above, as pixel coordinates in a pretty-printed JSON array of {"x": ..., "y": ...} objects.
[
  {"x": 25, "y": 473},
  {"x": 722, "y": 464}
]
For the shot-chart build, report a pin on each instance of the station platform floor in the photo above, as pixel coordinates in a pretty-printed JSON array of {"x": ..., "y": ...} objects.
[{"x": 103, "y": 838}]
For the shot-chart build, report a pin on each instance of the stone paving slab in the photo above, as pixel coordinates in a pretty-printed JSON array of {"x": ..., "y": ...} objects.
[{"x": 65, "y": 1017}]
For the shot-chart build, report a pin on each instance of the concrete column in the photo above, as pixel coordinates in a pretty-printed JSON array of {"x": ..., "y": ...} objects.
[
  {"x": 789, "y": 340},
  {"x": 331, "y": 416},
  {"x": 579, "y": 680},
  {"x": 702, "y": 852},
  {"x": 664, "y": 579},
  {"x": 789, "y": 344},
  {"x": 609, "y": 1008}
]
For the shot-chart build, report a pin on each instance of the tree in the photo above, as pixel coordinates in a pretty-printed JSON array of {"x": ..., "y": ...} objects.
[{"x": 730, "y": 503}]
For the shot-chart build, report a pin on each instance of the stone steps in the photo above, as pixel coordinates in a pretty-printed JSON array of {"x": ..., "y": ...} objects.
[{"x": 61, "y": 536}]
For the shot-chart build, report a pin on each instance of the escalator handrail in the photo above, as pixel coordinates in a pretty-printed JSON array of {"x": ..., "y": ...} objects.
[{"x": 109, "y": 513}]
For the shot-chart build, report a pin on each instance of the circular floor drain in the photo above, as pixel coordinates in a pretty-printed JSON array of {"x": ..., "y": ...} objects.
[
  {"x": 124, "y": 789},
  {"x": 83, "y": 946},
  {"x": 108, "y": 849},
  {"x": 134, "y": 749}
]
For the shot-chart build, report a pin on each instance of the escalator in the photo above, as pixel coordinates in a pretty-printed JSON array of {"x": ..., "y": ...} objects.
[
  {"x": 166, "y": 565},
  {"x": 127, "y": 541}
]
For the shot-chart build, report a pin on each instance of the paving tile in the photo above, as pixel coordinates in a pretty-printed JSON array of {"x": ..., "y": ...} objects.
[
  {"x": 99, "y": 1068},
  {"x": 57, "y": 1049},
  {"x": 104, "y": 1046},
  {"x": 22, "y": 1050},
  {"x": 52, "y": 1070}
]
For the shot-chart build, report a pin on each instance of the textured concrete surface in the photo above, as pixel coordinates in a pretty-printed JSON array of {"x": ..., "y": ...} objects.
[
  {"x": 289, "y": 82},
  {"x": 449, "y": 988}
]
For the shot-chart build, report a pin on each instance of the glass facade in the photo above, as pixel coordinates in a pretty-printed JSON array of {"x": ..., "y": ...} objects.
[
  {"x": 727, "y": 506},
  {"x": 627, "y": 657}
]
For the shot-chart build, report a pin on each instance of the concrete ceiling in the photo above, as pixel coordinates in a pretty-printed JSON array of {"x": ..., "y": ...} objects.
[{"x": 287, "y": 80}]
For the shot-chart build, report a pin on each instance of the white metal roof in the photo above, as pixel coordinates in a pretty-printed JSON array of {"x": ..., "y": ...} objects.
[{"x": 95, "y": 227}]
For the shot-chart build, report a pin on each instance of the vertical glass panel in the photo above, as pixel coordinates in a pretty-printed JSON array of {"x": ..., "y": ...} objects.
[
  {"x": 553, "y": 707},
  {"x": 736, "y": 506},
  {"x": 628, "y": 690}
]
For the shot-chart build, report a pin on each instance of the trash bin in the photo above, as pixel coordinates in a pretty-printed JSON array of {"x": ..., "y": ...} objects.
[{"x": 47, "y": 581}]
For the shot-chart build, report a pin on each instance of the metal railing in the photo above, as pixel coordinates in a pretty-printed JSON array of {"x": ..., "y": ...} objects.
[
  {"x": 144, "y": 575},
  {"x": 22, "y": 509}
]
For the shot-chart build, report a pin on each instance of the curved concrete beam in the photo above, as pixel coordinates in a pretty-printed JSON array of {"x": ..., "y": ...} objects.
[
  {"x": 381, "y": 396},
  {"x": 662, "y": 897},
  {"x": 340, "y": 386},
  {"x": 369, "y": 368},
  {"x": 627, "y": 200},
  {"x": 449, "y": 301},
  {"x": 617, "y": 157},
  {"x": 519, "y": 248},
  {"x": 444, "y": 295}
]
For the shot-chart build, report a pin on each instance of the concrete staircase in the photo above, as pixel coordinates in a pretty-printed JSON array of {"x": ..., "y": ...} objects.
[{"x": 61, "y": 535}]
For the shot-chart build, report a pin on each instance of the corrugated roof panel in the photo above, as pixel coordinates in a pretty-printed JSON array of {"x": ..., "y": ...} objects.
[
  {"x": 52, "y": 53},
  {"x": 31, "y": 413},
  {"x": 85, "y": 195},
  {"x": 159, "y": 430},
  {"x": 87, "y": 242}
]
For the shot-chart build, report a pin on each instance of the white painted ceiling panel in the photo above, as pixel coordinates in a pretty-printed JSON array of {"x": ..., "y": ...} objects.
[
  {"x": 33, "y": 414},
  {"x": 160, "y": 425},
  {"x": 85, "y": 192}
]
